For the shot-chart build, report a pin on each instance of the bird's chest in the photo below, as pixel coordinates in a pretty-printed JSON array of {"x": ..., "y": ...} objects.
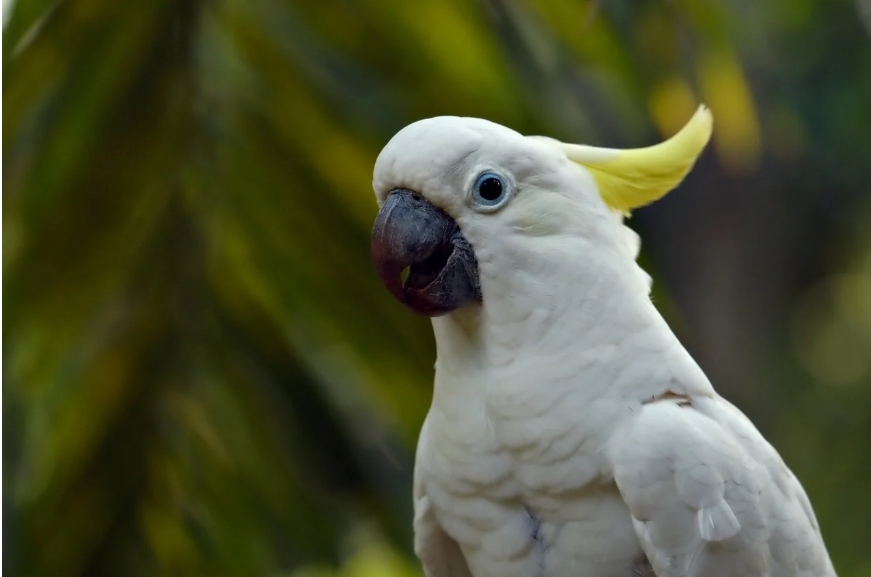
[{"x": 524, "y": 498}]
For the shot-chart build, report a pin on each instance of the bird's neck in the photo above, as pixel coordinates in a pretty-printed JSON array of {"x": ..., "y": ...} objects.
[{"x": 586, "y": 331}]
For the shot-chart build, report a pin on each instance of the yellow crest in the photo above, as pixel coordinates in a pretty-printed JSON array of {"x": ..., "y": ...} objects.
[{"x": 629, "y": 179}]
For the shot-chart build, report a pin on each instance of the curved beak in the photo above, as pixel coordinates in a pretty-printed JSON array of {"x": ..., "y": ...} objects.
[{"x": 411, "y": 233}]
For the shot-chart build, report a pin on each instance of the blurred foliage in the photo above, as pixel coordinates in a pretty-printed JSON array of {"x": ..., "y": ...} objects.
[{"x": 201, "y": 372}]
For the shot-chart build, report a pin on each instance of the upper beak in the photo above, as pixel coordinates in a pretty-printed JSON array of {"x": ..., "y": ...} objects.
[{"x": 411, "y": 233}]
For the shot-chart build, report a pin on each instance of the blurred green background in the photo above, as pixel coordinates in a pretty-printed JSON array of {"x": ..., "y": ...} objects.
[{"x": 202, "y": 374}]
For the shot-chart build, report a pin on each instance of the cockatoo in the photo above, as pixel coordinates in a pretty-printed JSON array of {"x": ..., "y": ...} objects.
[{"x": 570, "y": 434}]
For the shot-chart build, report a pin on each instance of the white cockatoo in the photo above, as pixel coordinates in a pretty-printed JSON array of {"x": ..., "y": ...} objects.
[{"x": 570, "y": 434}]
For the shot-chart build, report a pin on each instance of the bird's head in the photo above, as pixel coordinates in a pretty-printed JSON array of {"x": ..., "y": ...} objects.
[{"x": 458, "y": 193}]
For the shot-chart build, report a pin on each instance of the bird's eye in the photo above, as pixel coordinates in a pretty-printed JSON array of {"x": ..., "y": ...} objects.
[{"x": 489, "y": 190}]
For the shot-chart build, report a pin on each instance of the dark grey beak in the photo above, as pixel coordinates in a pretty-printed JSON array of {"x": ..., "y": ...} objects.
[{"x": 411, "y": 233}]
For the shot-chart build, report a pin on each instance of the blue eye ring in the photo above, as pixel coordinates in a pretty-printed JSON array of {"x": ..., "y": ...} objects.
[{"x": 490, "y": 190}]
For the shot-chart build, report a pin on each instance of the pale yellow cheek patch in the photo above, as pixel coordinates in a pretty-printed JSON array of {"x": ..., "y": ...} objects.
[
  {"x": 542, "y": 213},
  {"x": 628, "y": 179},
  {"x": 546, "y": 225}
]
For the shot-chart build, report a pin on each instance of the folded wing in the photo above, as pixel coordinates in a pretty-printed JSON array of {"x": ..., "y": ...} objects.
[{"x": 709, "y": 497}]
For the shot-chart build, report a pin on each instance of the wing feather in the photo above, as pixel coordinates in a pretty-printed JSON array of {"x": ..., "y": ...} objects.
[
  {"x": 710, "y": 497},
  {"x": 439, "y": 554}
]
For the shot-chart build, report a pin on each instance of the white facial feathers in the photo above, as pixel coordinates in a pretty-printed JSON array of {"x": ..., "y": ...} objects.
[{"x": 555, "y": 189}]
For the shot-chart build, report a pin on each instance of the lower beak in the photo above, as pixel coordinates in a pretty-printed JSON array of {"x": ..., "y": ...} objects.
[{"x": 411, "y": 233}]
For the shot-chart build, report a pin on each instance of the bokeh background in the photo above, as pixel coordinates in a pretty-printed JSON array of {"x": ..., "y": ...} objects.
[{"x": 201, "y": 372}]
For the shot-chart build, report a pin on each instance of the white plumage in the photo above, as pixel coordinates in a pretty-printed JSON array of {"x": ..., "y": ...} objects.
[{"x": 570, "y": 433}]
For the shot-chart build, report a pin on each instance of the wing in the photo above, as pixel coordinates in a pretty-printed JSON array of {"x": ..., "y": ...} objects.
[
  {"x": 438, "y": 552},
  {"x": 709, "y": 497}
]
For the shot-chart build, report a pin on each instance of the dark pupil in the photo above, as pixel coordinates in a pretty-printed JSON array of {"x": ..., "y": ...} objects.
[{"x": 490, "y": 189}]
